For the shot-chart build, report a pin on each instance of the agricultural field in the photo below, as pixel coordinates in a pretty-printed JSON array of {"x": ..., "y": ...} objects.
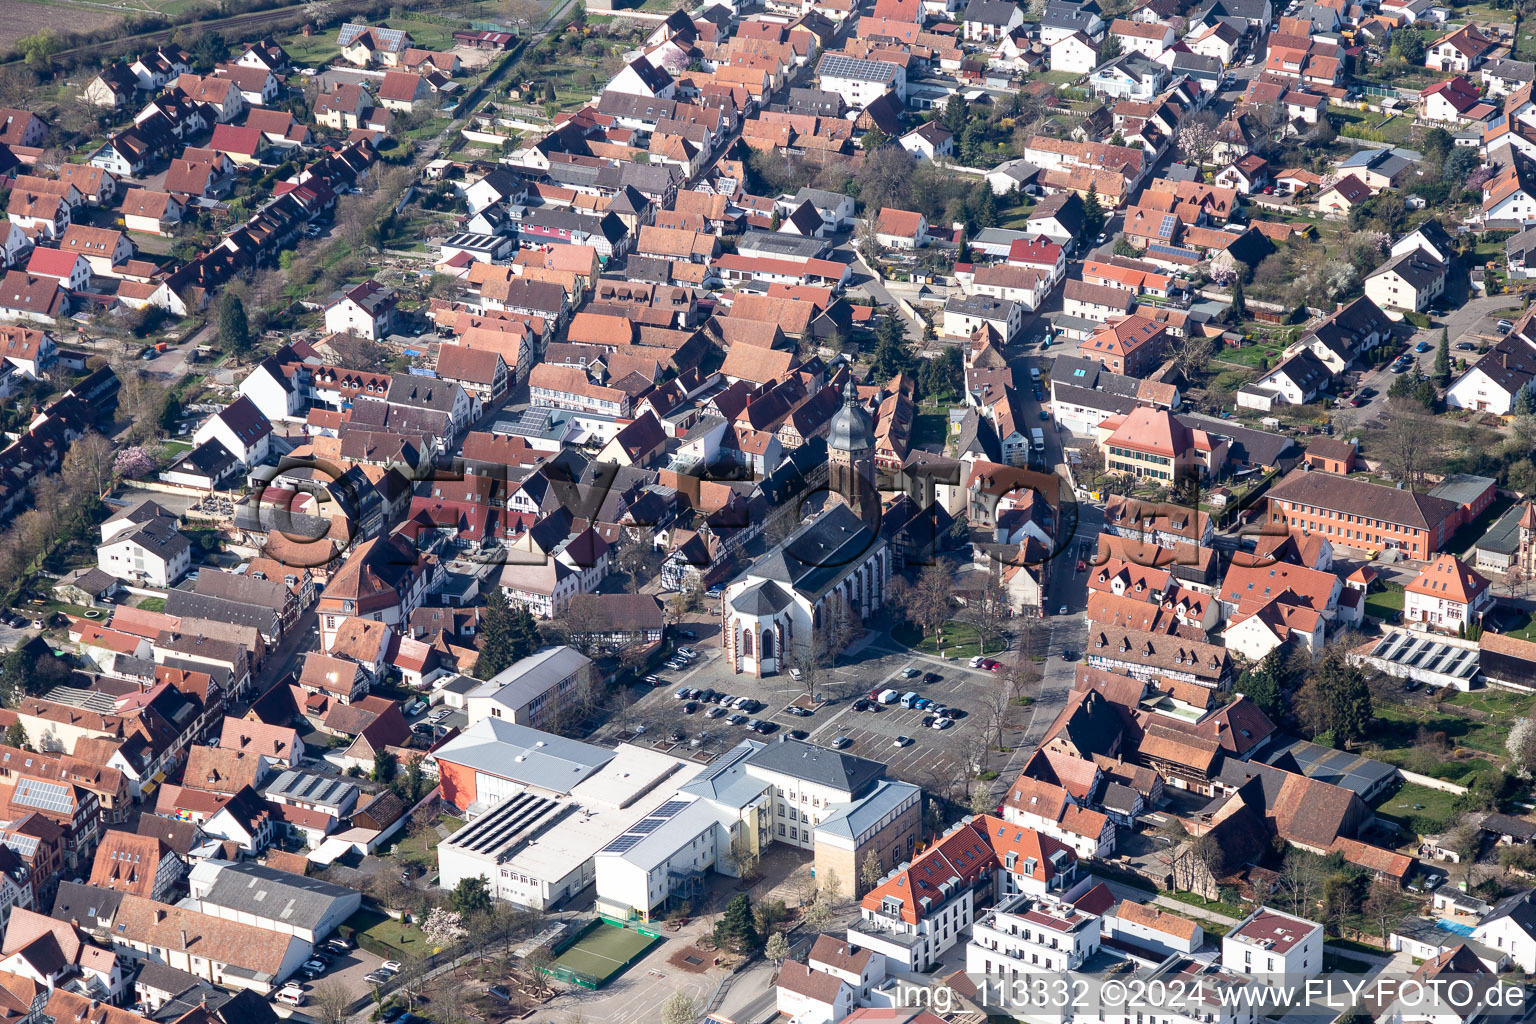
[{"x": 20, "y": 18}]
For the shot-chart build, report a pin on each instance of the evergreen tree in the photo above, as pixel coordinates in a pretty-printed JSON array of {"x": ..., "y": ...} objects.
[
  {"x": 776, "y": 220},
  {"x": 16, "y": 678},
  {"x": 234, "y": 328},
  {"x": 736, "y": 929},
  {"x": 384, "y": 765},
  {"x": 984, "y": 205},
  {"x": 495, "y": 637},
  {"x": 1093, "y": 212},
  {"x": 1336, "y": 702},
  {"x": 1443, "y": 358},
  {"x": 16, "y": 736},
  {"x": 1239, "y": 310},
  {"x": 1525, "y": 403},
  {"x": 964, "y": 255},
  {"x": 972, "y": 141},
  {"x": 470, "y": 897},
  {"x": 524, "y": 633},
  {"x": 1264, "y": 684},
  {"x": 892, "y": 354},
  {"x": 873, "y": 140}
]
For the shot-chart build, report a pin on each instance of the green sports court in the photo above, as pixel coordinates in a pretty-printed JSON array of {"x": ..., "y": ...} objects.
[{"x": 600, "y": 952}]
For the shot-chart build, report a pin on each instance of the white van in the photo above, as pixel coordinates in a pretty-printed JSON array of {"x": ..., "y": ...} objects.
[
  {"x": 889, "y": 696},
  {"x": 292, "y": 995}
]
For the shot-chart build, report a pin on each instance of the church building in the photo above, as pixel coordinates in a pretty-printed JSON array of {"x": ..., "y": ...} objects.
[{"x": 812, "y": 593}]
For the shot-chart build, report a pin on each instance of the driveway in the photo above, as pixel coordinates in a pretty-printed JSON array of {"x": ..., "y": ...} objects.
[{"x": 347, "y": 971}]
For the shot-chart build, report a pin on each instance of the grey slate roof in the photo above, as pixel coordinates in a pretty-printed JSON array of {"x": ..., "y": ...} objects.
[
  {"x": 820, "y": 766},
  {"x": 853, "y": 819},
  {"x": 261, "y": 891},
  {"x": 817, "y": 554},
  {"x": 765, "y": 598},
  {"x": 516, "y": 752},
  {"x": 1462, "y": 488}
]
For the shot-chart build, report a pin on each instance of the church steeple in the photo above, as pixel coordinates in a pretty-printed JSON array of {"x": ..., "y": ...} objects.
[{"x": 851, "y": 456}]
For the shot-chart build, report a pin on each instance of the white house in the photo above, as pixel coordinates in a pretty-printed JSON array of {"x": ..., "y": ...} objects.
[
  {"x": 1511, "y": 927},
  {"x": 535, "y": 691},
  {"x": 809, "y": 996},
  {"x": 142, "y": 543},
  {"x": 366, "y": 310},
  {"x": 1448, "y": 594},
  {"x": 1219, "y": 40},
  {"x": 277, "y": 901},
  {"x": 270, "y": 390},
  {"x": 929, "y": 140},
  {"x": 859, "y": 82},
  {"x": 990, "y": 20},
  {"x": 1075, "y": 54},
  {"x": 1272, "y": 942},
  {"x": 1407, "y": 282},
  {"x": 241, "y": 428},
  {"x": 1497, "y": 378},
  {"x": 642, "y": 78},
  {"x": 1148, "y": 927},
  {"x": 1296, "y": 381},
  {"x": 1149, "y": 40}
]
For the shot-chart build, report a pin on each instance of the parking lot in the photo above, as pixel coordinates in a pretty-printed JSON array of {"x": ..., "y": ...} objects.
[
  {"x": 934, "y": 758},
  {"x": 348, "y": 970}
]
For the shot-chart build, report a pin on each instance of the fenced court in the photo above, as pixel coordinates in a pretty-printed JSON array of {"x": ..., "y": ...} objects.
[{"x": 600, "y": 952}]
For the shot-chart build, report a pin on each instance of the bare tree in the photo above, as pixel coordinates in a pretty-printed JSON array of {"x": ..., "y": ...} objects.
[
  {"x": 1410, "y": 443},
  {"x": 332, "y": 1003},
  {"x": 989, "y": 607},
  {"x": 1301, "y": 881},
  {"x": 1382, "y": 906},
  {"x": 1516, "y": 581}
]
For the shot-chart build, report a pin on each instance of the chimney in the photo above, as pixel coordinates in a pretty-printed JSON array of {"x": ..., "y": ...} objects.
[{"x": 159, "y": 914}]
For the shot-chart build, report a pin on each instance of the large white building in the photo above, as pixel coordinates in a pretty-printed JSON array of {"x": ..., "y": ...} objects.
[
  {"x": 1026, "y": 935},
  {"x": 537, "y": 849},
  {"x": 535, "y": 691},
  {"x": 861, "y": 82},
  {"x": 1271, "y": 942},
  {"x": 277, "y": 901}
]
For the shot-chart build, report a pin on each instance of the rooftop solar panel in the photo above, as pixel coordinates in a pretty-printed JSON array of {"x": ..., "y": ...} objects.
[{"x": 623, "y": 843}]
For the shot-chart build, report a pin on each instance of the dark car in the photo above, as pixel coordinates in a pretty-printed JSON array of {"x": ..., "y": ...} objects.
[
  {"x": 861, "y": 704},
  {"x": 932, "y": 677},
  {"x": 690, "y": 708},
  {"x": 954, "y": 714},
  {"x": 798, "y": 734},
  {"x": 678, "y": 735}
]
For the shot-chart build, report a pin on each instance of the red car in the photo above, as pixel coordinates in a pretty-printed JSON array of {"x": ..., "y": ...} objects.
[
  {"x": 1082, "y": 566},
  {"x": 990, "y": 664},
  {"x": 996, "y": 666}
]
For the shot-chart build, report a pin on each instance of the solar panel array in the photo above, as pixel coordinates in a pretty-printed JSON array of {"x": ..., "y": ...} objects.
[
  {"x": 1170, "y": 221},
  {"x": 45, "y": 796},
  {"x": 518, "y": 816},
  {"x": 26, "y": 846},
  {"x": 645, "y": 826},
  {"x": 852, "y": 67}
]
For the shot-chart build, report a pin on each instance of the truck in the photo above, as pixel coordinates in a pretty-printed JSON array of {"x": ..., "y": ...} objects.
[{"x": 1037, "y": 438}]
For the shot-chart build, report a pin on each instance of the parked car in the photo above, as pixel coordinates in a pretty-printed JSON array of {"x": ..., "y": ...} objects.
[
  {"x": 902, "y": 741},
  {"x": 715, "y": 713},
  {"x": 798, "y": 734},
  {"x": 690, "y": 707},
  {"x": 737, "y": 719},
  {"x": 841, "y": 742},
  {"x": 1465, "y": 346},
  {"x": 932, "y": 677},
  {"x": 1505, "y": 326},
  {"x": 682, "y": 693},
  {"x": 653, "y": 680},
  {"x": 415, "y": 707},
  {"x": 943, "y": 723},
  {"x": 910, "y": 672},
  {"x": 392, "y": 966},
  {"x": 687, "y": 634},
  {"x": 976, "y": 661}
]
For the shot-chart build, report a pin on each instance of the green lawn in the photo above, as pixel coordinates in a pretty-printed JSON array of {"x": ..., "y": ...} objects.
[
  {"x": 1419, "y": 809},
  {"x": 959, "y": 641},
  {"x": 1495, "y": 702},
  {"x": 406, "y": 939},
  {"x": 1397, "y": 729},
  {"x": 1214, "y": 906},
  {"x": 152, "y": 604},
  {"x": 1383, "y": 604}
]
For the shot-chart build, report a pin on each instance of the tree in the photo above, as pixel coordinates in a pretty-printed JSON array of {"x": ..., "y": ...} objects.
[
  {"x": 1109, "y": 49},
  {"x": 892, "y": 354},
  {"x": 16, "y": 736},
  {"x": 332, "y": 1001},
  {"x": 1093, "y": 212},
  {"x": 1336, "y": 702},
  {"x": 496, "y": 651},
  {"x": 1411, "y": 440},
  {"x": 133, "y": 462},
  {"x": 234, "y": 328},
  {"x": 537, "y": 962},
  {"x": 831, "y": 887},
  {"x": 1264, "y": 684},
  {"x": 414, "y": 781},
  {"x": 16, "y": 677},
  {"x": 1382, "y": 905},
  {"x": 678, "y": 1009},
  {"x": 471, "y": 896},
  {"x": 40, "y": 47},
  {"x": 444, "y": 928},
  {"x": 873, "y": 140},
  {"x": 1197, "y": 139},
  {"x": 1443, "y": 359},
  {"x": 1408, "y": 47},
  {"x": 736, "y": 930},
  {"x": 776, "y": 220},
  {"x": 870, "y": 871},
  {"x": 384, "y": 765},
  {"x": 1520, "y": 744},
  {"x": 776, "y": 948},
  {"x": 1238, "y": 311}
]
